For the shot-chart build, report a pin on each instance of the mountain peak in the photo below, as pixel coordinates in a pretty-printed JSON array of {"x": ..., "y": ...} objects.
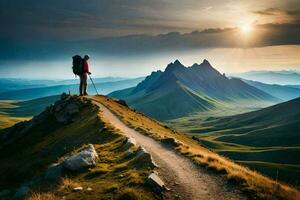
[
  {"x": 177, "y": 62},
  {"x": 173, "y": 66},
  {"x": 205, "y": 62}
]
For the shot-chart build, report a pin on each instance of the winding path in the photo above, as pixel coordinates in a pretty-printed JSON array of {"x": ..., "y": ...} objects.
[{"x": 184, "y": 179}]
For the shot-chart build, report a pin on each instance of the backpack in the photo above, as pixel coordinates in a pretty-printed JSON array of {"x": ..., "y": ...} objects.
[{"x": 77, "y": 65}]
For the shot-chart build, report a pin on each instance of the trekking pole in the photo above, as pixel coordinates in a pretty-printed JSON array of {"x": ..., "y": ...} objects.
[{"x": 94, "y": 84}]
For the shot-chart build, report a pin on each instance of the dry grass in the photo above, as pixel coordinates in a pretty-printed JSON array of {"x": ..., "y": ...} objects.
[
  {"x": 42, "y": 196},
  {"x": 251, "y": 181},
  {"x": 69, "y": 184}
]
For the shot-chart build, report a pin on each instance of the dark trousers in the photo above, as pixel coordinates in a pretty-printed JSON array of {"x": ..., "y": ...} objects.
[{"x": 83, "y": 84}]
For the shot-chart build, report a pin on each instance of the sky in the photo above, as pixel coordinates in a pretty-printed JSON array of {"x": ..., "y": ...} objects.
[{"x": 134, "y": 37}]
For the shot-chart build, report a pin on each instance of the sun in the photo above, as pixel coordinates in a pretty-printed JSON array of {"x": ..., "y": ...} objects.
[{"x": 246, "y": 28}]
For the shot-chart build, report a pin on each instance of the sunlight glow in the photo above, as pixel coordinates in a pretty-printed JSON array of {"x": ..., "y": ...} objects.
[{"x": 246, "y": 28}]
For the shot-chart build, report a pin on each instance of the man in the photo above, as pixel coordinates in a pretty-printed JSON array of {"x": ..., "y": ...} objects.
[{"x": 84, "y": 76}]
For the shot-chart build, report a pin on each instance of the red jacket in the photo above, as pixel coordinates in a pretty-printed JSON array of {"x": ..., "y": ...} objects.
[{"x": 85, "y": 66}]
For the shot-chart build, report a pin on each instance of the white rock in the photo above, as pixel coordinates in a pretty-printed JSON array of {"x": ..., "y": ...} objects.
[
  {"x": 144, "y": 158},
  {"x": 77, "y": 189},
  {"x": 155, "y": 182},
  {"x": 89, "y": 189},
  {"x": 85, "y": 158}
]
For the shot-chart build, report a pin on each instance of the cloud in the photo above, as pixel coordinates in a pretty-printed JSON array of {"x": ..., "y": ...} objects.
[
  {"x": 280, "y": 14},
  {"x": 268, "y": 11},
  {"x": 263, "y": 35}
]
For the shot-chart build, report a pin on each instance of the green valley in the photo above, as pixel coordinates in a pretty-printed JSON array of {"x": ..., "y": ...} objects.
[
  {"x": 13, "y": 111},
  {"x": 267, "y": 140}
]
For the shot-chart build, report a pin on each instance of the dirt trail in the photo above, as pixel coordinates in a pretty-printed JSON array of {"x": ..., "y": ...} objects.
[{"x": 184, "y": 179}]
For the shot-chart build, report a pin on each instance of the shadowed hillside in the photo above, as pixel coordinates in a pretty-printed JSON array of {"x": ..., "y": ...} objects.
[
  {"x": 180, "y": 90},
  {"x": 33, "y": 157}
]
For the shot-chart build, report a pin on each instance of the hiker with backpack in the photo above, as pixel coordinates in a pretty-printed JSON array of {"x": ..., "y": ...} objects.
[{"x": 81, "y": 68}]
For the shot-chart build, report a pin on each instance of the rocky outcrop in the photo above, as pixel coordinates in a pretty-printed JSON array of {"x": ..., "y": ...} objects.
[
  {"x": 63, "y": 111},
  {"x": 144, "y": 159},
  {"x": 171, "y": 142},
  {"x": 129, "y": 142},
  {"x": 155, "y": 182},
  {"x": 83, "y": 159}
]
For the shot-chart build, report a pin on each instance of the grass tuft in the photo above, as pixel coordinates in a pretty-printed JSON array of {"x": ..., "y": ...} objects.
[{"x": 128, "y": 194}]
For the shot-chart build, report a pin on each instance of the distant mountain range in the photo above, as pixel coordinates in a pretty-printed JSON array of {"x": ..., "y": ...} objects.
[
  {"x": 272, "y": 77},
  {"x": 50, "y": 88},
  {"x": 8, "y": 84},
  {"x": 180, "y": 90},
  {"x": 283, "y": 92}
]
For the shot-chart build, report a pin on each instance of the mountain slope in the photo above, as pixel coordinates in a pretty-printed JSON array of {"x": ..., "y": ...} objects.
[
  {"x": 32, "y": 93},
  {"x": 277, "y": 125},
  {"x": 280, "y": 91},
  {"x": 179, "y": 91},
  {"x": 267, "y": 140},
  {"x": 43, "y": 144},
  {"x": 254, "y": 182},
  {"x": 29, "y": 148}
]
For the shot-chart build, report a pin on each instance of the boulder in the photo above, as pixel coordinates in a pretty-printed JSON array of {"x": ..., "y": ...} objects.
[
  {"x": 54, "y": 172},
  {"x": 84, "y": 159},
  {"x": 130, "y": 142},
  {"x": 155, "y": 182},
  {"x": 144, "y": 159},
  {"x": 170, "y": 142}
]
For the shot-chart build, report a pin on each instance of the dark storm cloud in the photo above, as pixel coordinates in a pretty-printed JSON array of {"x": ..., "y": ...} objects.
[
  {"x": 85, "y": 18},
  {"x": 48, "y": 29},
  {"x": 263, "y": 35}
]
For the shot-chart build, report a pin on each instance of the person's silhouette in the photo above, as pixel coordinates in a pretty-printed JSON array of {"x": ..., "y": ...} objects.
[{"x": 84, "y": 76}]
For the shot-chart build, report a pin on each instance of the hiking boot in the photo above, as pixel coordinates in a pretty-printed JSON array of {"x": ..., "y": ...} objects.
[{"x": 85, "y": 94}]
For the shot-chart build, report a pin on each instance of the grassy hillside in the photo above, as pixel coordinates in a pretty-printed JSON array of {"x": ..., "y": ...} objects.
[
  {"x": 250, "y": 181},
  {"x": 180, "y": 91},
  {"x": 12, "y": 112},
  {"x": 48, "y": 141},
  {"x": 267, "y": 140}
]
